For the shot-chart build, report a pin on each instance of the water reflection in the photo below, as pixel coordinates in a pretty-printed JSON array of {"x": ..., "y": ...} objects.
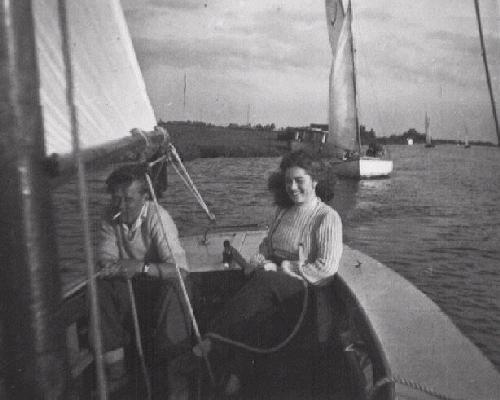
[{"x": 345, "y": 198}]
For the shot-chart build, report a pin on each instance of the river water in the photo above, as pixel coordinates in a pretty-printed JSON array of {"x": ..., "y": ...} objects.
[{"x": 435, "y": 221}]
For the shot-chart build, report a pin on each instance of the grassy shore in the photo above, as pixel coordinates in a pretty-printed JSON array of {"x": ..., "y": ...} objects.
[{"x": 209, "y": 142}]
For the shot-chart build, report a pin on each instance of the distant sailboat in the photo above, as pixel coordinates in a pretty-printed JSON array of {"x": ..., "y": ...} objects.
[
  {"x": 466, "y": 139},
  {"x": 344, "y": 132},
  {"x": 428, "y": 136}
]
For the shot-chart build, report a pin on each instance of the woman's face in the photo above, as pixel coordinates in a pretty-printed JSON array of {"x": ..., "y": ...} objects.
[{"x": 299, "y": 185}]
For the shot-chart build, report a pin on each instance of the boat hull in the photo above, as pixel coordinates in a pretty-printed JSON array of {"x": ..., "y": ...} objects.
[
  {"x": 386, "y": 328},
  {"x": 364, "y": 168}
]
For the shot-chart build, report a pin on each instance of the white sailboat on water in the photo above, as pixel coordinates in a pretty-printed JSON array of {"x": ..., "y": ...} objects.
[
  {"x": 428, "y": 136},
  {"x": 344, "y": 132},
  {"x": 466, "y": 138}
]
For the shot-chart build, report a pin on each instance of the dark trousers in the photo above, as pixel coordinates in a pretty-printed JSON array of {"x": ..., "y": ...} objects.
[
  {"x": 262, "y": 314},
  {"x": 162, "y": 313}
]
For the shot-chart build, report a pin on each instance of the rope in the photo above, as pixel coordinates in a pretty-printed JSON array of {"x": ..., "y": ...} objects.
[
  {"x": 273, "y": 349},
  {"x": 292, "y": 334},
  {"x": 186, "y": 182},
  {"x": 189, "y": 182},
  {"x": 181, "y": 280},
  {"x": 409, "y": 383},
  {"x": 138, "y": 340}
]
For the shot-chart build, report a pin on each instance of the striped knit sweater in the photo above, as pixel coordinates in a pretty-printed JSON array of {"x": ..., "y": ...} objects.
[{"x": 318, "y": 227}]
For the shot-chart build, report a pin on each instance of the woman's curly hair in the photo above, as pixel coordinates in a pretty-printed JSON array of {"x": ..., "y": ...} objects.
[{"x": 318, "y": 170}]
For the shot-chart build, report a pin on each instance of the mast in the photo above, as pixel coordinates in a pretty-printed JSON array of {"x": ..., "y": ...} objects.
[
  {"x": 485, "y": 61},
  {"x": 83, "y": 198},
  {"x": 33, "y": 339},
  {"x": 428, "y": 138},
  {"x": 184, "y": 98},
  {"x": 353, "y": 50}
]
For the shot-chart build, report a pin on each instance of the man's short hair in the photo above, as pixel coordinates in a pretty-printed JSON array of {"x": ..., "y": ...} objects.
[{"x": 125, "y": 175}]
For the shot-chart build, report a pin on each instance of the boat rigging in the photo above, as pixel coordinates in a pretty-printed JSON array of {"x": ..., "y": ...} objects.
[{"x": 486, "y": 69}]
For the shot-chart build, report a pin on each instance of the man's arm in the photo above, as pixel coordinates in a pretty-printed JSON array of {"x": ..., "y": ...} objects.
[{"x": 108, "y": 255}]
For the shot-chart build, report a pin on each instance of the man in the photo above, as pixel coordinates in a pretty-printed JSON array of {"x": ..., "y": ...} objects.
[{"x": 134, "y": 246}]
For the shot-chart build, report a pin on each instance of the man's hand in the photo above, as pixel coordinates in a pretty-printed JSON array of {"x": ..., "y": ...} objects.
[
  {"x": 131, "y": 267},
  {"x": 121, "y": 269},
  {"x": 167, "y": 271}
]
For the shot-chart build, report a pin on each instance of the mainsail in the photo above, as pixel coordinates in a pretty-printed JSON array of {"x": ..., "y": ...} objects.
[
  {"x": 334, "y": 20},
  {"x": 342, "y": 106},
  {"x": 110, "y": 95}
]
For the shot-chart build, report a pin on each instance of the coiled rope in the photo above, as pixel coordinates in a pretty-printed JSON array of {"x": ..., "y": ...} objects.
[
  {"x": 409, "y": 383},
  {"x": 273, "y": 349}
]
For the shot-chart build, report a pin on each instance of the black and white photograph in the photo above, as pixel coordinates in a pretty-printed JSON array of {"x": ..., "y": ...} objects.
[{"x": 249, "y": 199}]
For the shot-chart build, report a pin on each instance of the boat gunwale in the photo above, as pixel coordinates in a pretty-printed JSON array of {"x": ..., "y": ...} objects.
[{"x": 378, "y": 354}]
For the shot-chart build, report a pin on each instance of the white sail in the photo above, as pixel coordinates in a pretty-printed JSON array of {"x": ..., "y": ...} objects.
[
  {"x": 110, "y": 94},
  {"x": 342, "y": 105},
  {"x": 334, "y": 21}
]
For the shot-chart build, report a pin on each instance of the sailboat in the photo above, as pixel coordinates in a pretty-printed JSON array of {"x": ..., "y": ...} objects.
[
  {"x": 428, "y": 137},
  {"x": 392, "y": 346},
  {"x": 466, "y": 138},
  {"x": 344, "y": 132}
]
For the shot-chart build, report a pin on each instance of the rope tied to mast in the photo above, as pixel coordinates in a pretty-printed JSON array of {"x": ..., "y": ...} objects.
[{"x": 184, "y": 175}]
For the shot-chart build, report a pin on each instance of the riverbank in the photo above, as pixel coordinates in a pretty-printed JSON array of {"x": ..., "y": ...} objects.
[
  {"x": 192, "y": 141},
  {"x": 202, "y": 141}
]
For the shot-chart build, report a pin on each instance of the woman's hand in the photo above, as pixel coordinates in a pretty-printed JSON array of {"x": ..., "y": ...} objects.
[
  {"x": 270, "y": 266},
  {"x": 290, "y": 268}
]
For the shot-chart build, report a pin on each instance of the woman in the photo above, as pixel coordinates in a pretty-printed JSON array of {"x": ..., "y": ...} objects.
[{"x": 304, "y": 243}]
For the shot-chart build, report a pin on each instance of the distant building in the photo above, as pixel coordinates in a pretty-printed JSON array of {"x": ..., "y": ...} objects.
[{"x": 312, "y": 137}]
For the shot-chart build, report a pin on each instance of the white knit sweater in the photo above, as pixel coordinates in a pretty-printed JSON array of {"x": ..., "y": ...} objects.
[{"x": 318, "y": 228}]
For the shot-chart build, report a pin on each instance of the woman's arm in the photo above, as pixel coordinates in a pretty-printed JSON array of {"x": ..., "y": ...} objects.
[{"x": 329, "y": 244}]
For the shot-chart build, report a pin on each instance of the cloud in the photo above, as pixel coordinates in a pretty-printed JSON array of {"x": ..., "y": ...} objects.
[
  {"x": 466, "y": 45},
  {"x": 178, "y": 4},
  {"x": 267, "y": 39},
  {"x": 224, "y": 53},
  {"x": 159, "y": 5},
  {"x": 375, "y": 15}
]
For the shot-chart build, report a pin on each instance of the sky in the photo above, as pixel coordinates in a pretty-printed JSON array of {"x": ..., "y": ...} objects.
[{"x": 268, "y": 61}]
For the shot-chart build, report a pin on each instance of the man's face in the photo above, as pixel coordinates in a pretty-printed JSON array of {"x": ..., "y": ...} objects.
[{"x": 128, "y": 199}]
